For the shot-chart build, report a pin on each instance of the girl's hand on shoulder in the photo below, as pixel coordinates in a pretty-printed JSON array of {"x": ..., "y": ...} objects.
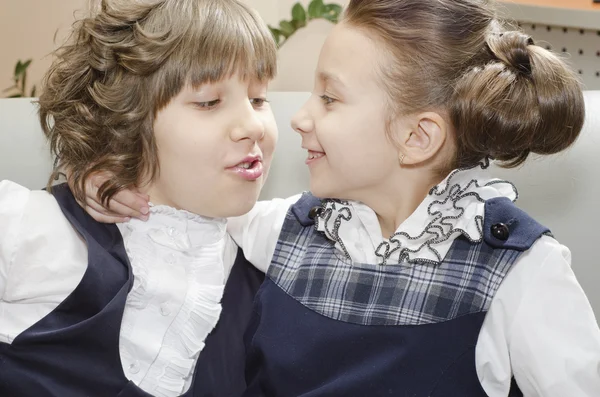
[{"x": 123, "y": 206}]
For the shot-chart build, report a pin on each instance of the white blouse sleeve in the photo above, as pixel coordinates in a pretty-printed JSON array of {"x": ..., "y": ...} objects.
[
  {"x": 540, "y": 329},
  {"x": 42, "y": 258},
  {"x": 257, "y": 232},
  {"x": 13, "y": 200},
  {"x": 554, "y": 340}
]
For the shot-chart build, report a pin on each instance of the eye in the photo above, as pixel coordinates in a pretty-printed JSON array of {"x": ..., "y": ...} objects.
[
  {"x": 327, "y": 99},
  {"x": 258, "y": 102},
  {"x": 207, "y": 105}
]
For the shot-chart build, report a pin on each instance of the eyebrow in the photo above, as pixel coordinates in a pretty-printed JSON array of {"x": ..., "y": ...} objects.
[{"x": 328, "y": 77}]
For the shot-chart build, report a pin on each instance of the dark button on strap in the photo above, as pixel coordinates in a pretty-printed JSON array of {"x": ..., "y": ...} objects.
[
  {"x": 500, "y": 231},
  {"x": 314, "y": 212}
]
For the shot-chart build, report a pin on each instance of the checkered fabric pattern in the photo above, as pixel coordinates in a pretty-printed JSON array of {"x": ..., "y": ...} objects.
[{"x": 308, "y": 267}]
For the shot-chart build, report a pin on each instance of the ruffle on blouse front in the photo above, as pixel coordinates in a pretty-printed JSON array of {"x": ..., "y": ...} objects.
[
  {"x": 196, "y": 319},
  {"x": 171, "y": 236}
]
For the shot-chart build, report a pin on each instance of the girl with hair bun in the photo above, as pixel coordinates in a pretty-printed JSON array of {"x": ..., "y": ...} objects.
[{"x": 407, "y": 270}]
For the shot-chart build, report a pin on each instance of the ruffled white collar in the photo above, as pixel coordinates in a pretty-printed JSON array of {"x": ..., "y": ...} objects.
[
  {"x": 179, "y": 229},
  {"x": 454, "y": 207}
]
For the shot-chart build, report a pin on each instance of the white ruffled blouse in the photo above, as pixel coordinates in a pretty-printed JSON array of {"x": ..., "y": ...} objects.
[{"x": 180, "y": 262}]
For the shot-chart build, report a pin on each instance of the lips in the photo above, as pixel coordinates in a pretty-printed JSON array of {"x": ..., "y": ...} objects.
[
  {"x": 250, "y": 168},
  {"x": 313, "y": 156}
]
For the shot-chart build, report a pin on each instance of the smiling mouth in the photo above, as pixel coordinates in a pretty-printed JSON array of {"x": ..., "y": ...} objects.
[{"x": 314, "y": 156}]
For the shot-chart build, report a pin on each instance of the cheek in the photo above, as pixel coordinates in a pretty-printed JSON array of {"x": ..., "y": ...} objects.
[
  {"x": 188, "y": 148},
  {"x": 176, "y": 133},
  {"x": 181, "y": 148},
  {"x": 361, "y": 152}
]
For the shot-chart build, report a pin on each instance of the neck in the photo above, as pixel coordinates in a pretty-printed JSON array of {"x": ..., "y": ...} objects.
[
  {"x": 398, "y": 199},
  {"x": 155, "y": 194}
]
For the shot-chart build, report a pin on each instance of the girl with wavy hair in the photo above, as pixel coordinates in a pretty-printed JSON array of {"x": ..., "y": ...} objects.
[{"x": 168, "y": 97}]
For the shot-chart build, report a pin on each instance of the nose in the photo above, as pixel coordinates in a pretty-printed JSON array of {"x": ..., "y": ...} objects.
[
  {"x": 249, "y": 125},
  {"x": 302, "y": 122}
]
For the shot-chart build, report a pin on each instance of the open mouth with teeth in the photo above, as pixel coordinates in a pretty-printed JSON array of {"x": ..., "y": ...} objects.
[
  {"x": 248, "y": 165},
  {"x": 313, "y": 156},
  {"x": 249, "y": 170}
]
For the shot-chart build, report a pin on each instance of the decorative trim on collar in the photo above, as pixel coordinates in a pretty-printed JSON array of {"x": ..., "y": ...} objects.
[
  {"x": 443, "y": 211},
  {"x": 323, "y": 221}
]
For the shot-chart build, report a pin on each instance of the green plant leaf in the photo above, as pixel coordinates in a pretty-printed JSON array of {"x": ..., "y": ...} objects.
[
  {"x": 315, "y": 9},
  {"x": 286, "y": 28},
  {"x": 16, "y": 96},
  {"x": 18, "y": 67},
  {"x": 300, "y": 17},
  {"x": 298, "y": 13},
  {"x": 24, "y": 81},
  {"x": 14, "y": 87},
  {"x": 33, "y": 91},
  {"x": 276, "y": 34},
  {"x": 21, "y": 68},
  {"x": 332, "y": 12}
]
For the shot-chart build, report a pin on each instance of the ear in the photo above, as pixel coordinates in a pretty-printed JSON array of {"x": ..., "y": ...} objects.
[{"x": 421, "y": 137}]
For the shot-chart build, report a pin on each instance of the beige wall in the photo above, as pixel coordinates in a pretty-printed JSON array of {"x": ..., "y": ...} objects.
[
  {"x": 34, "y": 28},
  {"x": 298, "y": 56}
]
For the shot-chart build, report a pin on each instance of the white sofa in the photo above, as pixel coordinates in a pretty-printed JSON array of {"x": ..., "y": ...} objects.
[{"x": 561, "y": 191}]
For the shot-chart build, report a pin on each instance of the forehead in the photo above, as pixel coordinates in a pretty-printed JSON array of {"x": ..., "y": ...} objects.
[{"x": 350, "y": 56}]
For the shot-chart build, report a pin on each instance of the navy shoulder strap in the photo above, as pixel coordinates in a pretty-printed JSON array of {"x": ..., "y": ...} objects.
[
  {"x": 302, "y": 208},
  {"x": 507, "y": 226},
  {"x": 107, "y": 235}
]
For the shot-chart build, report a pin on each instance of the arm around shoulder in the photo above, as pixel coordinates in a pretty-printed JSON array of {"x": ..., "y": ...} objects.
[{"x": 257, "y": 231}]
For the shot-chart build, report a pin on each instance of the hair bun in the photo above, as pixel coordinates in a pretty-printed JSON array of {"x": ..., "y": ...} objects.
[{"x": 512, "y": 49}]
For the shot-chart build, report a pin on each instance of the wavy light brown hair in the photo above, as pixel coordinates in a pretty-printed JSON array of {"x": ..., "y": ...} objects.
[
  {"x": 125, "y": 63},
  {"x": 504, "y": 96}
]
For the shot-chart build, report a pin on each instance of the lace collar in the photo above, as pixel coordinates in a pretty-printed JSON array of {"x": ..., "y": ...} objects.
[
  {"x": 454, "y": 207},
  {"x": 179, "y": 229}
]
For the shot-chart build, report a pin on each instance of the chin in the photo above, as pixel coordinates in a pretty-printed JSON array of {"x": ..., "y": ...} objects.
[
  {"x": 240, "y": 204},
  {"x": 241, "y": 208}
]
